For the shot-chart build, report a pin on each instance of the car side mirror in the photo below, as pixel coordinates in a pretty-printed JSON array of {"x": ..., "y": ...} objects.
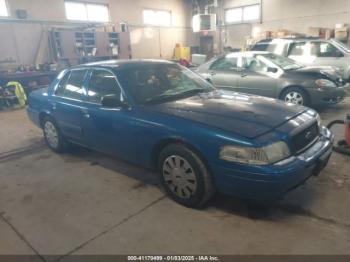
[
  {"x": 113, "y": 101},
  {"x": 272, "y": 70}
]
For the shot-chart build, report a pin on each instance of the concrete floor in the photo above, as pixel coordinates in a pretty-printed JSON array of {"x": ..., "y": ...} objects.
[{"x": 88, "y": 203}]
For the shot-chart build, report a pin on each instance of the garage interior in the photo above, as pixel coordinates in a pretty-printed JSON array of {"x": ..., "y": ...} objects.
[{"x": 83, "y": 202}]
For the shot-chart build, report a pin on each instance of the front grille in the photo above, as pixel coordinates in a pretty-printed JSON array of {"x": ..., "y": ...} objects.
[{"x": 302, "y": 140}]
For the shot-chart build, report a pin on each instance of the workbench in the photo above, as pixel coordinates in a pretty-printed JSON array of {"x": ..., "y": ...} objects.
[{"x": 29, "y": 80}]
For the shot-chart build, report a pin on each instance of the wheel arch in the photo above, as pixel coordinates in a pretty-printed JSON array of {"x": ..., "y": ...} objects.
[
  {"x": 42, "y": 116},
  {"x": 284, "y": 89},
  {"x": 157, "y": 149}
]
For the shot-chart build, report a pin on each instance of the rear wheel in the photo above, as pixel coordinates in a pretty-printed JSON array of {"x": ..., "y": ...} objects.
[
  {"x": 53, "y": 136},
  {"x": 184, "y": 176},
  {"x": 296, "y": 95}
]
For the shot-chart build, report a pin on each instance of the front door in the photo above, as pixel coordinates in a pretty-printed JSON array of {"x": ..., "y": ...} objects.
[
  {"x": 106, "y": 129},
  {"x": 255, "y": 78},
  {"x": 224, "y": 72},
  {"x": 326, "y": 54}
]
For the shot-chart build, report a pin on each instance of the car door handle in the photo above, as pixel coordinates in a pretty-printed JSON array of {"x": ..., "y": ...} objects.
[
  {"x": 85, "y": 113},
  {"x": 212, "y": 73},
  {"x": 244, "y": 75},
  {"x": 53, "y": 106}
]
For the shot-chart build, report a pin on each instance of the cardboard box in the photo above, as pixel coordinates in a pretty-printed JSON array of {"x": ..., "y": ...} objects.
[
  {"x": 283, "y": 33},
  {"x": 314, "y": 31},
  {"x": 342, "y": 33},
  {"x": 323, "y": 33},
  {"x": 266, "y": 35}
]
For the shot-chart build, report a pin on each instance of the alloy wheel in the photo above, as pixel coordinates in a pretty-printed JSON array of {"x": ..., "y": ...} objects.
[
  {"x": 294, "y": 98},
  {"x": 51, "y": 134}
]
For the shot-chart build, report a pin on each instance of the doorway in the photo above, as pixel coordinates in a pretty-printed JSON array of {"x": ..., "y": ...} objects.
[{"x": 206, "y": 46}]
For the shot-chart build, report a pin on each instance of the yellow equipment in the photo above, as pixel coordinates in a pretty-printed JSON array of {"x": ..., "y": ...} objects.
[
  {"x": 19, "y": 92},
  {"x": 182, "y": 53}
]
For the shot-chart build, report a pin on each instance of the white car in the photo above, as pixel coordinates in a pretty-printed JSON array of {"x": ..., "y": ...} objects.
[{"x": 311, "y": 52}]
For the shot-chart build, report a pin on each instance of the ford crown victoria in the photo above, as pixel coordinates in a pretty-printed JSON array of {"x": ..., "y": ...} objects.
[{"x": 200, "y": 139}]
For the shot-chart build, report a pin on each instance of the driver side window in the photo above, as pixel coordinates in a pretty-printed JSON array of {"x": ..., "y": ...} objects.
[
  {"x": 254, "y": 65},
  {"x": 102, "y": 83},
  {"x": 225, "y": 64},
  {"x": 324, "y": 49}
]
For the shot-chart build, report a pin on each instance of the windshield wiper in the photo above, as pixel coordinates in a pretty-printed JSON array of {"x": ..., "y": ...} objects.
[
  {"x": 289, "y": 68},
  {"x": 164, "y": 97},
  {"x": 193, "y": 91}
]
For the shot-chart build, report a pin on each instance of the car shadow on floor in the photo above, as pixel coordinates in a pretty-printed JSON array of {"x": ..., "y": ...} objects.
[
  {"x": 226, "y": 204},
  {"x": 114, "y": 164},
  {"x": 332, "y": 110},
  {"x": 270, "y": 211}
]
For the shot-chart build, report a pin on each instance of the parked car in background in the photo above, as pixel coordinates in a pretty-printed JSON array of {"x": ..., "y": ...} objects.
[
  {"x": 311, "y": 52},
  {"x": 163, "y": 116},
  {"x": 271, "y": 75}
]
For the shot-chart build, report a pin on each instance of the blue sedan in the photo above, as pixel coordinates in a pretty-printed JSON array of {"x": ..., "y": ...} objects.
[{"x": 201, "y": 140}]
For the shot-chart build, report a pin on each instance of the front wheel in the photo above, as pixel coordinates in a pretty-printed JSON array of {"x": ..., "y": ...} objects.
[
  {"x": 184, "y": 176},
  {"x": 296, "y": 95},
  {"x": 53, "y": 136}
]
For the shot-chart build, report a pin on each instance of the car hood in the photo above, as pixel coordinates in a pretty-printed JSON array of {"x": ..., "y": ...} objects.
[
  {"x": 246, "y": 115},
  {"x": 329, "y": 72}
]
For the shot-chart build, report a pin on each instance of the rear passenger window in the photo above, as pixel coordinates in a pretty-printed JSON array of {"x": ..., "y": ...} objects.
[
  {"x": 297, "y": 49},
  {"x": 225, "y": 64},
  {"x": 260, "y": 47},
  {"x": 74, "y": 86},
  {"x": 102, "y": 83},
  {"x": 62, "y": 84}
]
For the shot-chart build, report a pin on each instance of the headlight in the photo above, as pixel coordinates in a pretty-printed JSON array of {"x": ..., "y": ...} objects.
[
  {"x": 255, "y": 156},
  {"x": 325, "y": 83},
  {"x": 319, "y": 120}
]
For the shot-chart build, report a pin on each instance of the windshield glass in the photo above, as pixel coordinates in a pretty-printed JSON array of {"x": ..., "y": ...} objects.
[
  {"x": 149, "y": 83},
  {"x": 341, "y": 45},
  {"x": 281, "y": 61}
]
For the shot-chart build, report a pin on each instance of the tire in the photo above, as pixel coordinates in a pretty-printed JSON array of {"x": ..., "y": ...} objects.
[
  {"x": 184, "y": 176},
  {"x": 296, "y": 95},
  {"x": 53, "y": 136}
]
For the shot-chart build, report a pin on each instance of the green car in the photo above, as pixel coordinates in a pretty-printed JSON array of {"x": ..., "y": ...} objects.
[{"x": 271, "y": 75}]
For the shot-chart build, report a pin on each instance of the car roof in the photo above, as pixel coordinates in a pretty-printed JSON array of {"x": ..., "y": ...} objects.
[
  {"x": 248, "y": 53},
  {"x": 289, "y": 39},
  {"x": 124, "y": 64}
]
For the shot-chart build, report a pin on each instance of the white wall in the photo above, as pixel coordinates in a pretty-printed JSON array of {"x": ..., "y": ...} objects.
[
  {"x": 294, "y": 15},
  {"x": 299, "y": 15},
  {"x": 20, "y": 40}
]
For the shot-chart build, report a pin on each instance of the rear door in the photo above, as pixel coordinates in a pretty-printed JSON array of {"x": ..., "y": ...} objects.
[
  {"x": 67, "y": 104},
  {"x": 300, "y": 52},
  {"x": 255, "y": 79},
  {"x": 224, "y": 72}
]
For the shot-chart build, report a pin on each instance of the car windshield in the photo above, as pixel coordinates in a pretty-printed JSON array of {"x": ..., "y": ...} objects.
[
  {"x": 156, "y": 83},
  {"x": 341, "y": 45},
  {"x": 281, "y": 61}
]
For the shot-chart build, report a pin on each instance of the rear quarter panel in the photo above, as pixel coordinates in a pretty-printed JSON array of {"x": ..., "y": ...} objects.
[{"x": 39, "y": 103}]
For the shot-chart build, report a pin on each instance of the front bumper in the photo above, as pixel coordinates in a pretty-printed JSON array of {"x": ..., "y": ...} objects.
[
  {"x": 273, "y": 181},
  {"x": 328, "y": 96}
]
